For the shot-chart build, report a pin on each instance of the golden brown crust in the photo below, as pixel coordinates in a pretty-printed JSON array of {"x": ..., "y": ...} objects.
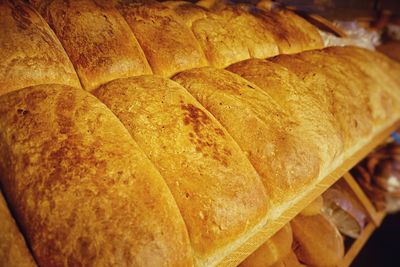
[
  {"x": 291, "y": 261},
  {"x": 187, "y": 11},
  {"x": 30, "y": 52},
  {"x": 285, "y": 160},
  {"x": 294, "y": 31},
  {"x": 317, "y": 242},
  {"x": 98, "y": 41},
  {"x": 299, "y": 101},
  {"x": 231, "y": 35},
  {"x": 167, "y": 42},
  {"x": 343, "y": 95},
  {"x": 219, "y": 193},
  {"x": 79, "y": 186},
  {"x": 13, "y": 250},
  {"x": 273, "y": 251},
  {"x": 314, "y": 207},
  {"x": 311, "y": 39},
  {"x": 382, "y": 75}
]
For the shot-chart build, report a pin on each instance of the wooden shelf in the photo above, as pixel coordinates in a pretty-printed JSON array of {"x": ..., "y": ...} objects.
[
  {"x": 374, "y": 215},
  {"x": 243, "y": 250},
  {"x": 357, "y": 245}
]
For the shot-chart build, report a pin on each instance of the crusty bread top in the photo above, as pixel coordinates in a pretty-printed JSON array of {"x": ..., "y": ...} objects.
[
  {"x": 348, "y": 104},
  {"x": 79, "y": 186},
  {"x": 310, "y": 35},
  {"x": 373, "y": 102},
  {"x": 291, "y": 33},
  {"x": 231, "y": 35},
  {"x": 98, "y": 41},
  {"x": 30, "y": 52},
  {"x": 299, "y": 102},
  {"x": 187, "y": 11},
  {"x": 167, "y": 42},
  {"x": 13, "y": 250},
  {"x": 374, "y": 65},
  {"x": 283, "y": 157},
  {"x": 219, "y": 193}
]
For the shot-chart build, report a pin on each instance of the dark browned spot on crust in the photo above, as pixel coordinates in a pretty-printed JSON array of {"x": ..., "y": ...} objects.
[
  {"x": 21, "y": 15},
  {"x": 205, "y": 137}
]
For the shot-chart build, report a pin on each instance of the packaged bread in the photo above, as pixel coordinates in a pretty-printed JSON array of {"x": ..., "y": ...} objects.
[
  {"x": 79, "y": 186},
  {"x": 13, "y": 249},
  {"x": 272, "y": 252},
  {"x": 107, "y": 51},
  {"x": 316, "y": 241},
  {"x": 344, "y": 210},
  {"x": 220, "y": 195},
  {"x": 168, "y": 44},
  {"x": 30, "y": 52},
  {"x": 286, "y": 161},
  {"x": 379, "y": 176}
]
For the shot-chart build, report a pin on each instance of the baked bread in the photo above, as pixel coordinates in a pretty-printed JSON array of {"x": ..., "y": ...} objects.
[
  {"x": 84, "y": 193},
  {"x": 300, "y": 102},
  {"x": 344, "y": 209},
  {"x": 220, "y": 195},
  {"x": 79, "y": 186},
  {"x": 30, "y": 52},
  {"x": 167, "y": 42},
  {"x": 286, "y": 161},
  {"x": 232, "y": 35},
  {"x": 348, "y": 104},
  {"x": 275, "y": 250},
  {"x": 314, "y": 207},
  {"x": 374, "y": 65},
  {"x": 13, "y": 250},
  {"x": 98, "y": 41},
  {"x": 316, "y": 241},
  {"x": 292, "y": 33},
  {"x": 187, "y": 11},
  {"x": 290, "y": 261}
]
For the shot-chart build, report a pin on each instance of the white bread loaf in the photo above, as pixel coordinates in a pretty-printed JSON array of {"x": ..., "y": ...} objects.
[{"x": 268, "y": 124}]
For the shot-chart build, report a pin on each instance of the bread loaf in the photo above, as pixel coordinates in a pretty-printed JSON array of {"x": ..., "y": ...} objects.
[
  {"x": 272, "y": 252},
  {"x": 292, "y": 33},
  {"x": 291, "y": 261},
  {"x": 329, "y": 249},
  {"x": 372, "y": 101},
  {"x": 314, "y": 207},
  {"x": 167, "y": 42},
  {"x": 285, "y": 160},
  {"x": 343, "y": 208},
  {"x": 348, "y": 104},
  {"x": 219, "y": 193},
  {"x": 300, "y": 102},
  {"x": 84, "y": 193},
  {"x": 374, "y": 65},
  {"x": 30, "y": 52},
  {"x": 187, "y": 11},
  {"x": 232, "y": 35},
  {"x": 13, "y": 250},
  {"x": 98, "y": 41},
  {"x": 81, "y": 189}
]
